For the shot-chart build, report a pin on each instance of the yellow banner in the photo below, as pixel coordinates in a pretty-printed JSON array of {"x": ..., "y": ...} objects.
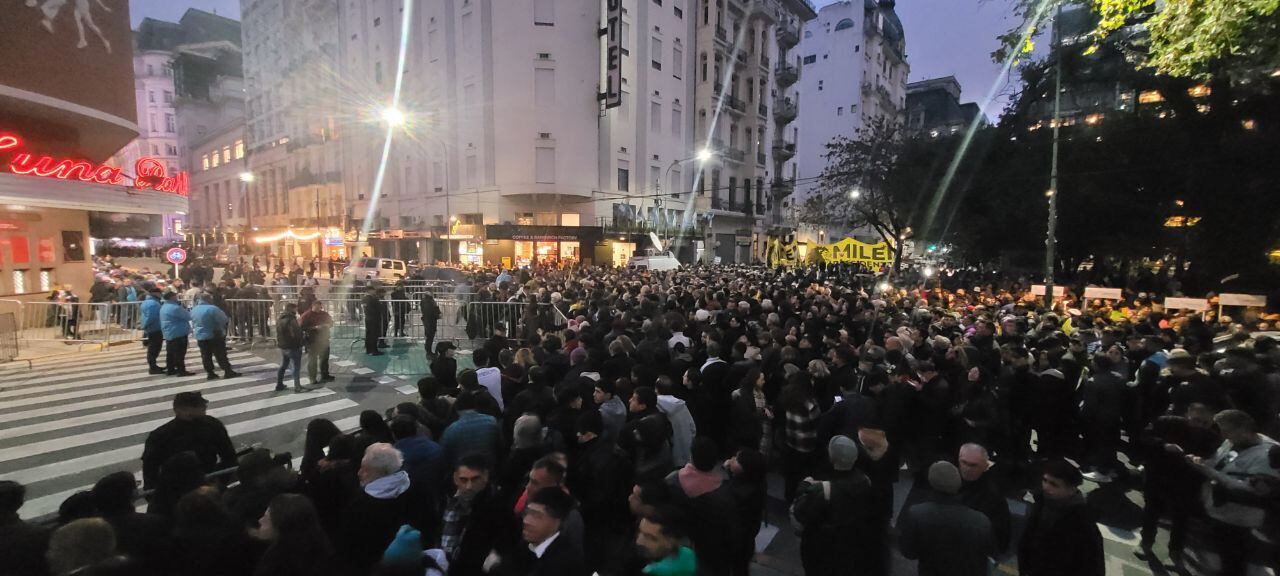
[{"x": 845, "y": 251}]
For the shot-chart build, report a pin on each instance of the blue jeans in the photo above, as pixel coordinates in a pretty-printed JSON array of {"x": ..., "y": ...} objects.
[{"x": 290, "y": 356}]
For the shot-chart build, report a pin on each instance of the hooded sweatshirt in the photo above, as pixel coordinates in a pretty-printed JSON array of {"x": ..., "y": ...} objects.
[{"x": 683, "y": 428}]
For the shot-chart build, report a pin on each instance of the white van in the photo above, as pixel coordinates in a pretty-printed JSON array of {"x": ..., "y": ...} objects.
[
  {"x": 658, "y": 262},
  {"x": 381, "y": 269}
]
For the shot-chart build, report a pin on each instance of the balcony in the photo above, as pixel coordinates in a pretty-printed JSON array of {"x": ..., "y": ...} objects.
[
  {"x": 786, "y": 74},
  {"x": 784, "y": 111},
  {"x": 782, "y": 187},
  {"x": 734, "y": 103},
  {"x": 783, "y": 150},
  {"x": 764, "y": 62},
  {"x": 761, "y": 159},
  {"x": 735, "y": 155},
  {"x": 788, "y": 35},
  {"x": 763, "y": 110},
  {"x": 307, "y": 178},
  {"x": 722, "y": 35},
  {"x": 741, "y": 58}
]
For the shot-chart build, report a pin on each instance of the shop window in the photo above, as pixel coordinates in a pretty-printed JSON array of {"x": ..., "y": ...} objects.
[{"x": 19, "y": 281}]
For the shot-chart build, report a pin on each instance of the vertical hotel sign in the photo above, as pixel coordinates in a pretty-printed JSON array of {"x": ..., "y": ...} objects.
[{"x": 612, "y": 32}]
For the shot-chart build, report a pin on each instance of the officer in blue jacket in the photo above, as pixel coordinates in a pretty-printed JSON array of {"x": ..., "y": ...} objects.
[
  {"x": 175, "y": 323},
  {"x": 210, "y": 324},
  {"x": 151, "y": 329}
]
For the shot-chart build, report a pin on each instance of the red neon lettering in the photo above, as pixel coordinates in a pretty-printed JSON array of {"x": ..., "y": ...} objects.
[{"x": 151, "y": 173}]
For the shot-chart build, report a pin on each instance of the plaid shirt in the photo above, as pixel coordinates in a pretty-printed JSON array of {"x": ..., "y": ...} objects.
[{"x": 802, "y": 428}]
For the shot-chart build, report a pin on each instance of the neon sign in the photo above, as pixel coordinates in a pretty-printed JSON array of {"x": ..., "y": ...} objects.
[{"x": 149, "y": 173}]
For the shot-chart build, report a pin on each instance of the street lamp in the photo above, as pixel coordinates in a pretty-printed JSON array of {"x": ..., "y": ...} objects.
[
  {"x": 393, "y": 117},
  {"x": 246, "y": 177},
  {"x": 703, "y": 156},
  {"x": 855, "y": 194}
]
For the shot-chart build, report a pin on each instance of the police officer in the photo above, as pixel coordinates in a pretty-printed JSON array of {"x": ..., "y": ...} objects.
[
  {"x": 151, "y": 329},
  {"x": 175, "y": 323},
  {"x": 210, "y": 324}
]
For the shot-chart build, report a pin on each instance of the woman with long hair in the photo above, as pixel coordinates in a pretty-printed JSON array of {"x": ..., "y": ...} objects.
[
  {"x": 298, "y": 544},
  {"x": 751, "y": 419},
  {"x": 800, "y": 421}
]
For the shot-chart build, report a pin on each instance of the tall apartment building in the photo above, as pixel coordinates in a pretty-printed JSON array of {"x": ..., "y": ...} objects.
[
  {"x": 745, "y": 106},
  {"x": 934, "y": 109},
  {"x": 853, "y": 68},
  {"x": 507, "y": 153},
  {"x": 157, "y": 45},
  {"x": 295, "y": 102}
]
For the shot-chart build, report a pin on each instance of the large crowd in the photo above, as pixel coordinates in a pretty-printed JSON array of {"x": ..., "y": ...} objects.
[{"x": 639, "y": 437}]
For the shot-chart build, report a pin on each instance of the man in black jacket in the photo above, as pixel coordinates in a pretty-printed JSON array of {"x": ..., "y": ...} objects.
[
  {"x": 946, "y": 536},
  {"x": 978, "y": 491},
  {"x": 543, "y": 550},
  {"x": 143, "y": 537},
  {"x": 1061, "y": 537},
  {"x": 190, "y": 430},
  {"x": 600, "y": 479},
  {"x": 839, "y": 517},
  {"x": 475, "y": 517},
  {"x": 375, "y": 322},
  {"x": 387, "y": 501},
  {"x": 1102, "y": 410}
]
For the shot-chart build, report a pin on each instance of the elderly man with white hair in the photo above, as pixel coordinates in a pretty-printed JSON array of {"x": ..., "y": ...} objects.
[
  {"x": 387, "y": 501},
  {"x": 978, "y": 491}
]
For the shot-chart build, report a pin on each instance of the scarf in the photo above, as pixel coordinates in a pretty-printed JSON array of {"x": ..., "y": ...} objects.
[{"x": 388, "y": 487}]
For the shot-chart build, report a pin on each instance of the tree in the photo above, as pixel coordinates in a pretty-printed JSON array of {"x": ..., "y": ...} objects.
[
  {"x": 1197, "y": 39},
  {"x": 862, "y": 186}
]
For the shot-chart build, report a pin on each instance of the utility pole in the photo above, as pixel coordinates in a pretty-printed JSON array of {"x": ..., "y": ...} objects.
[{"x": 1051, "y": 239}]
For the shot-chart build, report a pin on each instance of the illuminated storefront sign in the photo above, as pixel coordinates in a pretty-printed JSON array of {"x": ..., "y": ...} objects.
[{"x": 149, "y": 173}]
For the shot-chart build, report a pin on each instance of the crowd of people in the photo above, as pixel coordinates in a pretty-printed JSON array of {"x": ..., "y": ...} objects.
[{"x": 638, "y": 438}]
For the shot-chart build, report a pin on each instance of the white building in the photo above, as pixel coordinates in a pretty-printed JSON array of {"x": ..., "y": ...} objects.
[
  {"x": 743, "y": 112},
  {"x": 504, "y": 128},
  {"x": 853, "y": 68},
  {"x": 157, "y": 125},
  {"x": 295, "y": 103}
]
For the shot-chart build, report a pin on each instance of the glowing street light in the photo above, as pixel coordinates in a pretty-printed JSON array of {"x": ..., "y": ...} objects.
[
  {"x": 855, "y": 194},
  {"x": 246, "y": 177},
  {"x": 705, "y": 155},
  {"x": 393, "y": 117}
]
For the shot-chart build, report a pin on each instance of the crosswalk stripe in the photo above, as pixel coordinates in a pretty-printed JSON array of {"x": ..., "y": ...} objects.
[
  {"x": 64, "y": 423},
  {"x": 150, "y": 382},
  {"x": 148, "y": 395},
  {"x": 68, "y": 442},
  {"x": 82, "y": 365},
  {"x": 71, "y": 381},
  {"x": 29, "y": 476},
  {"x": 44, "y": 505}
]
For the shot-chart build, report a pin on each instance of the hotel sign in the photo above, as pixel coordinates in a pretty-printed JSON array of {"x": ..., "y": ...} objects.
[
  {"x": 148, "y": 173},
  {"x": 613, "y": 54}
]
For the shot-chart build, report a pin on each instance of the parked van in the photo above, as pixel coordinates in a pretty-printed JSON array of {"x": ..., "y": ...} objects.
[
  {"x": 382, "y": 269},
  {"x": 658, "y": 262}
]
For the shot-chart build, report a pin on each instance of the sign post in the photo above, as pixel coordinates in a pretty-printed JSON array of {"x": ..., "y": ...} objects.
[{"x": 175, "y": 256}]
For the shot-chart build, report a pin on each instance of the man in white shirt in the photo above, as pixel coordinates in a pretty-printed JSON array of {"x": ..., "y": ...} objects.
[{"x": 488, "y": 376}]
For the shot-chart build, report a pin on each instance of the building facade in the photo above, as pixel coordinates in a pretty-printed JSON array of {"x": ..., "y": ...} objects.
[
  {"x": 934, "y": 108},
  {"x": 743, "y": 109},
  {"x": 295, "y": 100},
  {"x": 853, "y": 68}
]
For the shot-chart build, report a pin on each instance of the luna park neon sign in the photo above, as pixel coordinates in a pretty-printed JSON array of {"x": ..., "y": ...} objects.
[{"x": 149, "y": 173}]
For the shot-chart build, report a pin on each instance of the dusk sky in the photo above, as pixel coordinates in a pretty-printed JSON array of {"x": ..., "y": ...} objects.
[{"x": 944, "y": 37}]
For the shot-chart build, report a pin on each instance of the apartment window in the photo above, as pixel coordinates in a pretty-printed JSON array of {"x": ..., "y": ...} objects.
[
  {"x": 46, "y": 280},
  {"x": 703, "y": 61},
  {"x": 676, "y": 120},
  {"x": 217, "y": 159},
  {"x": 170, "y": 150},
  {"x": 226, "y": 154},
  {"x": 151, "y": 70},
  {"x": 820, "y": 84},
  {"x": 377, "y": 72},
  {"x": 655, "y": 176},
  {"x": 810, "y": 59},
  {"x": 168, "y": 97},
  {"x": 170, "y": 124},
  {"x": 658, "y": 2},
  {"x": 570, "y": 219},
  {"x": 204, "y": 162},
  {"x": 840, "y": 111},
  {"x": 544, "y": 13},
  {"x": 239, "y": 149},
  {"x": 624, "y": 180},
  {"x": 151, "y": 96},
  {"x": 679, "y": 13},
  {"x": 20, "y": 277},
  {"x": 377, "y": 22},
  {"x": 677, "y": 62},
  {"x": 655, "y": 117},
  {"x": 733, "y": 188},
  {"x": 545, "y": 166},
  {"x": 655, "y": 54},
  {"x": 544, "y": 86}
]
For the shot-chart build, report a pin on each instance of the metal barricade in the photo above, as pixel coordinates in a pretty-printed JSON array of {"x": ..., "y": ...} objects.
[
  {"x": 252, "y": 321},
  {"x": 125, "y": 322},
  {"x": 8, "y": 337}
]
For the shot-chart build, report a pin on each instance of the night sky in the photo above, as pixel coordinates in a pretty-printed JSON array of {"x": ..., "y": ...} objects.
[{"x": 944, "y": 37}]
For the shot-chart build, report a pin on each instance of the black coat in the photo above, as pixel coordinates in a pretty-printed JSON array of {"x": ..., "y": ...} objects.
[
  {"x": 947, "y": 537},
  {"x": 369, "y": 524},
  {"x": 983, "y": 496},
  {"x": 490, "y": 521},
  {"x": 22, "y": 553},
  {"x": 561, "y": 558},
  {"x": 1068, "y": 545}
]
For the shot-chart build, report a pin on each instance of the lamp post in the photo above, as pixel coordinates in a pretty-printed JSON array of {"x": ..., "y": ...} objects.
[
  {"x": 246, "y": 180},
  {"x": 1051, "y": 239},
  {"x": 703, "y": 156}
]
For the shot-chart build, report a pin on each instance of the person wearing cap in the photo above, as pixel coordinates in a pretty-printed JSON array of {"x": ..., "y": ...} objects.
[
  {"x": 1061, "y": 537},
  {"x": 191, "y": 430},
  {"x": 175, "y": 324},
  {"x": 152, "y": 329},
  {"x": 1182, "y": 384},
  {"x": 944, "y": 535},
  {"x": 210, "y": 324},
  {"x": 838, "y": 517}
]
